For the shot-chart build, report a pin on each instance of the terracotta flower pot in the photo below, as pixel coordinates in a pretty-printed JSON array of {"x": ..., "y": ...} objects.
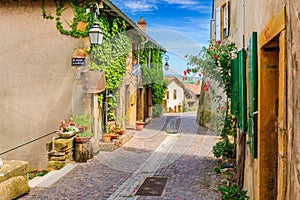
[
  {"x": 115, "y": 136},
  {"x": 139, "y": 126},
  {"x": 82, "y": 139},
  {"x": 106, "y": 138},
  {"x": 81, "y": 128}
]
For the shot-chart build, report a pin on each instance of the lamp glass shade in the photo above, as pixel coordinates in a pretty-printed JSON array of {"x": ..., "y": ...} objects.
[
  {"x": 96, "y": 34},
  {"x": 166, "y": 66}
]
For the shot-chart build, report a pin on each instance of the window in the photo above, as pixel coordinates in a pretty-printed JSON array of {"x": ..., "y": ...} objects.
[
  {"x": 167, "y": 94},
  {"x": 174, "y": 94},
  {"x": 222, "y": 21}
]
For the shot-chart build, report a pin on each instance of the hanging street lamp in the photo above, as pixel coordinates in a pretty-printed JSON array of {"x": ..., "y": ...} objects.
[
  {"x": 96, "y": 34},
  {"x": 166, "y": 65}
]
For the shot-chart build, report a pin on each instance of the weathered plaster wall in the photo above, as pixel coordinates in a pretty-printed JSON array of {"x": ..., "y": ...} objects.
[
  {"x": 256, "y": 17},
  {"x": 37, "y": 81},
  {"x": 249, "y": 16},
  {"x": 246, "y": 17}
]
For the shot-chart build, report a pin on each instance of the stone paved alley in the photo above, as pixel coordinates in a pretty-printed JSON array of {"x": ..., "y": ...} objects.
[{"x": 184, "y": 158}]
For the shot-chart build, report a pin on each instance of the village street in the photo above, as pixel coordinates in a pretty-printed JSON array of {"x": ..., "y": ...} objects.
[{"x": 182, "y": 160}]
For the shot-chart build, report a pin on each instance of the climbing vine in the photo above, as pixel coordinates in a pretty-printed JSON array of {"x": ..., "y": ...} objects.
[
  {"x": 80, "y": 15},
  {"x": 153, "y": 75},
  {"x": 111, "y": 55}
]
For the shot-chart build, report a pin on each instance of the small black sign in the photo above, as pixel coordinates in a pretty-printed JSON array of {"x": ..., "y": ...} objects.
[{"x": 78, "y": 62}]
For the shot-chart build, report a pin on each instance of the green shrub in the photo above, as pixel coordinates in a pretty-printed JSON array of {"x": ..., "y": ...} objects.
[
  {"x": 233, "y": 193},
  {"x": 223, "y": 148},
  {"x": 85, "y": 134}
]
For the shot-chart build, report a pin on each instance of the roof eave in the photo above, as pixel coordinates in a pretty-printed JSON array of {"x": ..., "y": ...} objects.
[{"x": 131, "y": 23}]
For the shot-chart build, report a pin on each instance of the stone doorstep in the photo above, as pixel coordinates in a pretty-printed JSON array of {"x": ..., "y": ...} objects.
[{"x": 111, "y": 146}]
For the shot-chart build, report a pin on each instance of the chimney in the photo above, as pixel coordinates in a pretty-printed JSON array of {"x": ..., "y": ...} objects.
[{"x": 142, "y": 23}]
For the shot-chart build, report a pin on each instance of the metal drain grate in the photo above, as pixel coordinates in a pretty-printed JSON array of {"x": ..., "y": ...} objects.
[{"x": 152, "y": 186}]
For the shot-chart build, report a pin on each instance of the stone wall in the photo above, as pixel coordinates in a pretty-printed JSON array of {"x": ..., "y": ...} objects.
[
  {"x": 210, "y": 114},
  {"x": 37, "y": 80}
]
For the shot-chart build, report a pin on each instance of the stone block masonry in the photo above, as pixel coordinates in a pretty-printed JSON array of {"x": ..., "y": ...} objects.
[
  {"x": 61, "y": 153},
  {"x": 13, "y": 182}
]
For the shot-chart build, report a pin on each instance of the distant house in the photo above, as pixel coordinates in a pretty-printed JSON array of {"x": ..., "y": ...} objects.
[
  {"x": 192, "y": 93},
  {"x": 174, "y": 96},
  {"x": 180, "y": 96}
]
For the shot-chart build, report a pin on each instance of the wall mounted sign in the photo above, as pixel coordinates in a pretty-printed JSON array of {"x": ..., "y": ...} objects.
[{"x": 78, "y": 62}]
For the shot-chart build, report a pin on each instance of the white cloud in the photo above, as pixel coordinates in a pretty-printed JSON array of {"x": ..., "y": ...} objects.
[
  {"x": 134, "y": 6},
  {"x": 182, "y": 2},
  {"x": 139, "y": 6}
]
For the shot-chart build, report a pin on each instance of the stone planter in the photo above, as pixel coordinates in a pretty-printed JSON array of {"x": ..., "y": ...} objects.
[
  {"x": 83, "y": 150},
  {"x": 66, "y": 135}
]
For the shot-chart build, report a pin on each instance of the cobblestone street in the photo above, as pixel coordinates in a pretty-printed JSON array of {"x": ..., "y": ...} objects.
[{"x": 184, "y": 158}]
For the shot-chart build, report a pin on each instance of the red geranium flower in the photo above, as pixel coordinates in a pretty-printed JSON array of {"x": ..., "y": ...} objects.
[
  {"x": 219, "y": 41},
  {"x": 216, "y": 56}
]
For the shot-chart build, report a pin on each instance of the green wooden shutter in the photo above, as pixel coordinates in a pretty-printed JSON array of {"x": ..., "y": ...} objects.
[
  {"x": 235, "y": 86},
  {"x": 252, "y": 93},
  {"x": 242, "y": 103}
]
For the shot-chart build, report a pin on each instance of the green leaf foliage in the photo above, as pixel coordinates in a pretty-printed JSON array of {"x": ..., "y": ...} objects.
[
  {"x": 153, "y": 76},
  {"x": 233, "y": 193}
]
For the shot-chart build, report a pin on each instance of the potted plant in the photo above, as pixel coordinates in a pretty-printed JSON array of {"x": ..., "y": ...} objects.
[
  {"x": 82, "y": 122},
  {"x": 113, "y": 133},
  {"x": 120, "y": 130},
  {"x": 83, "y": 137},
  {"x": 139, "y": 125},
  {"x": 67, "y": 128},
  {"x": 107, "y": 135}
]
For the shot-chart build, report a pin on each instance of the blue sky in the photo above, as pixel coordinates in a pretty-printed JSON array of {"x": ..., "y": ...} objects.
[{"x": 181, "y": 26}]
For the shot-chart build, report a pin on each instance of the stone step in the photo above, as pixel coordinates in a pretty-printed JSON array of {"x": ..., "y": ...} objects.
[
  {"x": 111, "y": 146},
  {"x": 51, "y": 177}
]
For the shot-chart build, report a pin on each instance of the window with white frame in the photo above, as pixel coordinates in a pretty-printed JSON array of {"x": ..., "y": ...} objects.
[{"x": 221, "y": 22}]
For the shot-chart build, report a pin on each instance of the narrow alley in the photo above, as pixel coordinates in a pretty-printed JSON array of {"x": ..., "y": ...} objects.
[{"x": 181, "y": 163}]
